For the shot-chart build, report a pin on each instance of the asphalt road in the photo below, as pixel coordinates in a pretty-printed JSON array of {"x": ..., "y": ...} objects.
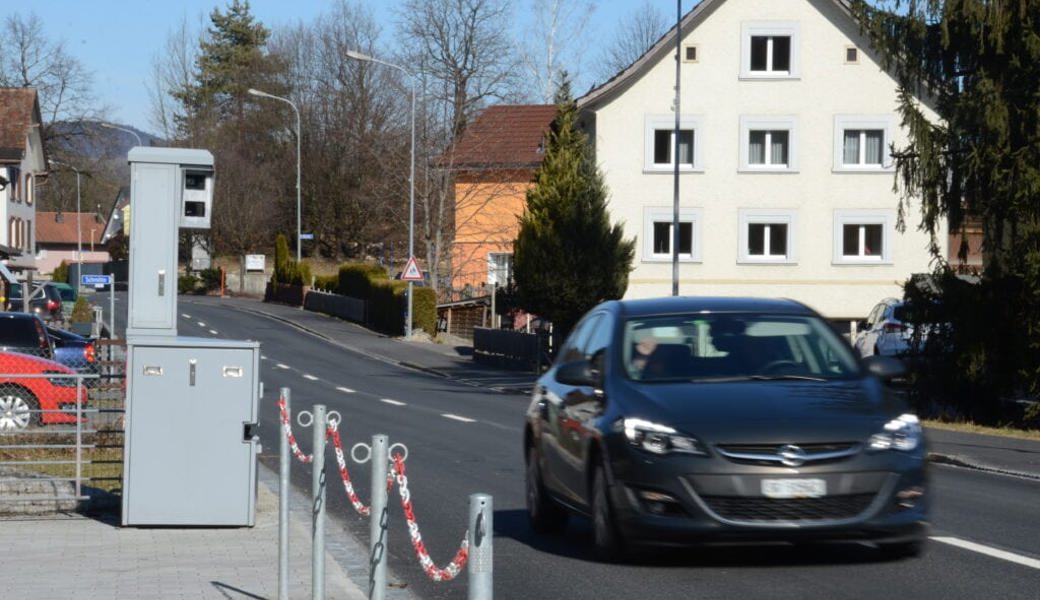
[{"x": 464, "y": 440}]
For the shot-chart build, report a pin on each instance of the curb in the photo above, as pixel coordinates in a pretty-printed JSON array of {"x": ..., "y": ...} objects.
[{"x": 957, "y": 461}]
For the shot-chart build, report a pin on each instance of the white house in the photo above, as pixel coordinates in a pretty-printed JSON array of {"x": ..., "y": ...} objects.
[
  {"x": 22, "y": 164},
  {"x": 785, "y": 186}
]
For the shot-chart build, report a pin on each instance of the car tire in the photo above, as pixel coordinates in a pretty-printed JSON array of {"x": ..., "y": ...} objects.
[
  {"x": 607, "y": 541},
  {"x": 19, "y": 409},
  {"x": 545, "y": 515},
  {"x": 901, "y": 550}
]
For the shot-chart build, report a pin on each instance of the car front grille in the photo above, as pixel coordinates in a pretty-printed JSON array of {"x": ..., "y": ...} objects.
[
  {"x": 771, "y": 454},
  {"x": 759, "y": 509}
]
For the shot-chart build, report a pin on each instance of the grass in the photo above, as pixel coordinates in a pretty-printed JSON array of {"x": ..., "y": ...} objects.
[
  {"x": 102, "y": 464},
  {"x": 1011, "y": 432}
]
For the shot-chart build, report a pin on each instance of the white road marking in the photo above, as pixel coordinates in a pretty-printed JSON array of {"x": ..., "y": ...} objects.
[
  {"x": 310, "y": 377},
  {"x": 345, "y": 390},
  {"x": 393, "y": 402},
  {"x": 201, "y": 324},
  {"x": 282, "y": 366},
  {"x": 186, "y": 315},
  {"x": 458, "y": 418},
  {"x": 994, "y": 552},
  {"x": 263, "y": 357},
  {"x": 214, "y": 332}
]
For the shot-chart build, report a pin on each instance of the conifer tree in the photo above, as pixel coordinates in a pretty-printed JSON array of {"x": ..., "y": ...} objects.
[{"x": 567, "y": 256}]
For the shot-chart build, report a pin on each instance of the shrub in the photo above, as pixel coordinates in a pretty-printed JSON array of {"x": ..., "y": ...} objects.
[
  {"x": 61, "y": 273},
  {"x": 327, "y": 283},
  {"x": 210, "y": 280},
  {"x": 82, "y": 312},
  {"x": 356, "y": 279},
  {"x": 187, "y": 283}
]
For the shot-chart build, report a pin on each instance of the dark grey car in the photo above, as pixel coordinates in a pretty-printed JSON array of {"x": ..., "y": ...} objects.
[{"x": 693, "y": 420}]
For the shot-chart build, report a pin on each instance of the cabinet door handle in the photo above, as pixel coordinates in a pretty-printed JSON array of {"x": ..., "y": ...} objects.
[
  {"x": 191, "y": 372},
  {"x": 162, "y": 282}
]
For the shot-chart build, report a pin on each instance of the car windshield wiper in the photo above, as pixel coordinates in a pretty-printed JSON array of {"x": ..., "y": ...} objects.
[{"x": 786, "y": 378}]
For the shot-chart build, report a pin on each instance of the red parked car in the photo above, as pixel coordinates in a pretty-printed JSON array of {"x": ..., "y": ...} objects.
[{"x": 29, "y": 401}]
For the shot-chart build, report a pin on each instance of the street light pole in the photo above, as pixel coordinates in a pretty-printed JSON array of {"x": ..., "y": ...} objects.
[
  {"x": 79, "y": 235},
  {"x": 255, "y": 92},
  {"x": 123, "y": 129},
  {"x": 411, "y": 179}
]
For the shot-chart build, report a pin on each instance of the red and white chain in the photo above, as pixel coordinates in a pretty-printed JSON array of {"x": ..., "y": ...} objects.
[
  {"x": 337, "y": 444},
  {"x": 455, "y": 566},
  {"x": 287, "y": 428}
]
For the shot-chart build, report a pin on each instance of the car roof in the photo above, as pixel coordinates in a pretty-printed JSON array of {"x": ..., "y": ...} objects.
[{"x": 709, "y": 304}]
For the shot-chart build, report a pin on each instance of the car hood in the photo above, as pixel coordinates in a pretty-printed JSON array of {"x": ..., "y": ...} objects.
[{"x": 764, "y": 411}]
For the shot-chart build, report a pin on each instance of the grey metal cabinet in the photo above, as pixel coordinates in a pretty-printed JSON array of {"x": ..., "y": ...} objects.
[{"x": 190, "y": 454}]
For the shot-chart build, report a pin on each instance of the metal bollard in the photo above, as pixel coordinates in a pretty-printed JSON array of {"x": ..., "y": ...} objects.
[
  {"x": 318, "y": 508},
  {"x": 283, "y": 505},
  {"x": 481, "y": 554},
  {"x": 379, "y": 519}
]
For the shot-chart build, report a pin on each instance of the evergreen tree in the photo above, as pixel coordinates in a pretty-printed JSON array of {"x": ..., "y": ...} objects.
[
  {"x": 978, "y": 63},
  {"x": 567, "y": 256}
]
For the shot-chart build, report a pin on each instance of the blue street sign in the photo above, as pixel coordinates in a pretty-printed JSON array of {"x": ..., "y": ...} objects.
[
  {"x": 306, "y": 236},
  {"x": 88, "y": 279}
]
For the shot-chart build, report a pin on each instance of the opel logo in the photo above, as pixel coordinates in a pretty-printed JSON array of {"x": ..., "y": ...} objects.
[{"x": 792, "y": 456}]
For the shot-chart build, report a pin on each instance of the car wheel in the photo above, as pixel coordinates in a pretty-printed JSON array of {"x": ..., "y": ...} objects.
[
  {"x": 900, "y": 550},
  {"x": 18, "y": 410},
  {"x": 544, "y": 514},
  {"x": 609, "y": 545}
]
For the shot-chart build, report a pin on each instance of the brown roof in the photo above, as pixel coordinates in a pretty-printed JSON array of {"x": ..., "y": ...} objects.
[
  {"x": 503, "y": 137},
  {"x": 50, "y": 231},
  {"x": 19, "y": 111}
]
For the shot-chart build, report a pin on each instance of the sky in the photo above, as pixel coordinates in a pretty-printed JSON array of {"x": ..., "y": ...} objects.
[{"x": 118, "y": 40}]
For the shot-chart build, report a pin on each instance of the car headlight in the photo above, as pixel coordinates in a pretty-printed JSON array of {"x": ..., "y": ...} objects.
[
  {"x": 659, "y": 439},
  {"x": 901, "y": 433}
]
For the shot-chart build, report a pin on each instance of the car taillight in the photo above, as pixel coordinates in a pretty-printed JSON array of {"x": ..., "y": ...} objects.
[
  {"x": 52, "y": 305},
  {"x": 89, "y": 354},
  {"x": 894, "y": 328}
]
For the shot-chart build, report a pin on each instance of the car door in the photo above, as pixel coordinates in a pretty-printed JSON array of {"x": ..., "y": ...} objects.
[
  {"x": 866, "y": 339},
  {"x": 555, "y": 423},
  {"x": 582, "y": 408}
]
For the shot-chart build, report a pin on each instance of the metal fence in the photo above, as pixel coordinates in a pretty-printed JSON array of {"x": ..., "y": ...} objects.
[{"x": 61, "y": 429}]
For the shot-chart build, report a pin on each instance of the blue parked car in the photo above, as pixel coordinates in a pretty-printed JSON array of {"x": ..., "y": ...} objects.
[{"x": 75, "y": 351}]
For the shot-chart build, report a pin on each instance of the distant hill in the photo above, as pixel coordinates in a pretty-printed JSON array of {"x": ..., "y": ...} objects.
[{"x": 95, "y": 138}]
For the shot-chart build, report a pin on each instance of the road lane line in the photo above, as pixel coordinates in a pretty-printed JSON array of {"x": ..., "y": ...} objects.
[
  {"x": 201, "y": 324},
  {"x": 345, "y": 390},
  {"x": 309, "y": 377},
  {"x": 994, "y": 552},
  {"x": 393, "y": 402},
  {"x": 458, "y": 418},
  {"x": 282, "y": 366},
  {"x": 214, "y": 332},
  {"x": 186, "y": 315}
]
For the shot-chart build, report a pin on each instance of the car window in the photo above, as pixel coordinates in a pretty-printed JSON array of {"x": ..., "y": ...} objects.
[
  {"x": 692, "y": 347},
  {"x": 18, "y": 332},
  {"x": 574, "y": 348}
]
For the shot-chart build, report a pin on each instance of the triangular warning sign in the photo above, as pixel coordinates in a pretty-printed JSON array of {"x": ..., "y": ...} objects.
[{"x": 411, "y": 271}]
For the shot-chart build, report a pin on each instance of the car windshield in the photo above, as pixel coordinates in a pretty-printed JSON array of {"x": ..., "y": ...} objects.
[{"x": 734, "y": 346}]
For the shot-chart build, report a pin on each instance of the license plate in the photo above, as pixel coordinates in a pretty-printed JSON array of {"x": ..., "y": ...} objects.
[{"x": 794, "y": 488}]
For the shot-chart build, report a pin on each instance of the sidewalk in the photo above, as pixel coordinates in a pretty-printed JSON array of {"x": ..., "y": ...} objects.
[
  {"x": 982, "y": 452},
  {"x": 64, "y": 556}
]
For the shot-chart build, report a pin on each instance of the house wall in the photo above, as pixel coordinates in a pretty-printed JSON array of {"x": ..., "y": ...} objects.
[
  {"x": 487, "y": 211},
  {"x": 715, "y": 96}
]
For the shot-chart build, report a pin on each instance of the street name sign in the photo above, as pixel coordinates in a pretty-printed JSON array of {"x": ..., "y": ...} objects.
[{"x": 90, "y": 279}]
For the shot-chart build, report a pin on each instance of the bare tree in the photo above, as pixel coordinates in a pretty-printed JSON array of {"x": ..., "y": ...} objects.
[
  {"x": 633, "y": 36},
  {"x": 558, "y": 37},
  {"x": 172, "y": 69},
  {"x": 29, "y": 59},
  {"x": 465, "y": 57}
]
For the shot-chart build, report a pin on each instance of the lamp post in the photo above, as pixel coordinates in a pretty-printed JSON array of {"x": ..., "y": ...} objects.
[
  {"x": 411, "y": 179},
  {"x": 255, "y": 92},
  {"x": 123, "y": 129}
]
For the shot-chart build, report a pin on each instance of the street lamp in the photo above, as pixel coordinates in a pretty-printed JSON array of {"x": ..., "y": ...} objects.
[
  {"x": 298, "y": 132},
  {"x": 411, "y": 179},
  {"x": 117, "y": 128}
]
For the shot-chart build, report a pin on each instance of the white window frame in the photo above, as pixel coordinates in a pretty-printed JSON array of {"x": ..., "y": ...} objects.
[
  {"x": 492, "y": 276},
  {"x": 750, "y": 29},
  {"x": 885, "y": 218},
  {"x": 662, "y": 214},
  {"x": 780, "y": 216},
  {"x": 654, "y": 123},
  {"x": 842, "y": 123},
  {"x": 749, "y": 124}
]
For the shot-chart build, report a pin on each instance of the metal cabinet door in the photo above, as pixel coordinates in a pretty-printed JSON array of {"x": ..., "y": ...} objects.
[
  {"x": 188, "y": 461},
  {"x": 153, "y": 250}
]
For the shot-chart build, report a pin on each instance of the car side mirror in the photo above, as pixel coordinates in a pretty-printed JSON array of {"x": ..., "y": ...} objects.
[
  {"x": 884, "y": 368},
  {"x": 578, "y": 372}
]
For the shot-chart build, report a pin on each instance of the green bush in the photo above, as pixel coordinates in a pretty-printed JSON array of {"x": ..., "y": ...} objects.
[
  {"x": 61, "y": 273},
  {"x": 301, "y": 273},
  {"x": 281, "y": 260},
  {"x": 326, "y": 283},
  {"x": 424, "y": 310},
  {"x": 82, "y": 312},
  {"x": 356, "y": 279},
  {"x": 210, "y": 280},
  {"x": 187, "y": 283}
]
